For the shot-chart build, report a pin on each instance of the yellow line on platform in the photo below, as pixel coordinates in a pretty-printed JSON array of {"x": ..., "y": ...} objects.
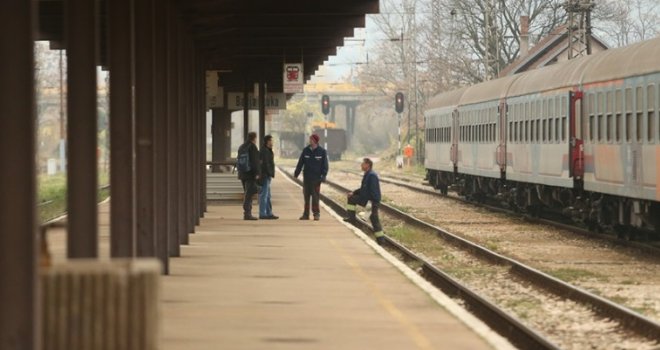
[{"x": 420, "y": 340}]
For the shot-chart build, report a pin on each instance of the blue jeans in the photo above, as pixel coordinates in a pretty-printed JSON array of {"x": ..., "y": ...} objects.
[{"x": 265, "y": 207}]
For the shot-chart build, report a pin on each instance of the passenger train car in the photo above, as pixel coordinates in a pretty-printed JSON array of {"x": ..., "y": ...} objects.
[{"x": 580, "y": 137}]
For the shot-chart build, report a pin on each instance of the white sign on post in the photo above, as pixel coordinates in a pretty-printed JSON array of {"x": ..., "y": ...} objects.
[
  {"x": 293, "y": 78},
  {"x": 214, "y": 92},
  {"x": 273, "y": 101}
]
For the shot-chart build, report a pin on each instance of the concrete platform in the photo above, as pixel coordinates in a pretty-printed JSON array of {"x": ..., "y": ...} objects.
[
  {"x": 290, "y": 284},
  {"x": 284, "y": 284}
]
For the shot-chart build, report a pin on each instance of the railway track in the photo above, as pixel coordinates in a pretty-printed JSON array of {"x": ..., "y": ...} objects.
[
  {"x": 504, "y": 323},
  {"x": 648, "y": 249}
]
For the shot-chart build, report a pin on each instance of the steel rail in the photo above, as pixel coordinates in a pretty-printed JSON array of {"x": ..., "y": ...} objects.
[
  {"x": 629, "y": 319},
  {"x": 648, "y": 249}
]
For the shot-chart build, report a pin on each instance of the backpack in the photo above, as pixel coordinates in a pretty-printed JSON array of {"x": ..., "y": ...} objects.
[{"x": 243, "y": 159}]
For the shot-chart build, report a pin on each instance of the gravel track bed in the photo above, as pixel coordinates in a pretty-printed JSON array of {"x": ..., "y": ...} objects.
[
  {"x": 623, "y": 275},
  {"x": 592, "y": 265}
]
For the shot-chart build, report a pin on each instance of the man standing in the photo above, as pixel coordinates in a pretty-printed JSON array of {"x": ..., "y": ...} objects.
[
  {"x": 368, "y": 191},
  {"x": 313, "y": 163},
  {"x": 249, "y": 172},
  {"x": 267, "y": 173}
]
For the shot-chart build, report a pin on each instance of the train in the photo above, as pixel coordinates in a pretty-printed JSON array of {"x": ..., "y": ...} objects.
[{"x": 580, "y": 138}]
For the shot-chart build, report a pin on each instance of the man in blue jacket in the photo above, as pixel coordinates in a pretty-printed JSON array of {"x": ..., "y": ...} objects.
[
  {"x": 368, "y": 191},
  {"x": 313, "y": 163}
]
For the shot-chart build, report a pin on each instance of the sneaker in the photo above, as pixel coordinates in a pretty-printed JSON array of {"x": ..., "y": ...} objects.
[
  {"x": 304, "y": 217},
  {"x": 273, "y": 217},
  {"x": 249, "y": 218},
  {"x": 380, "y": 241},
  {"x": 317, "y": 217}
]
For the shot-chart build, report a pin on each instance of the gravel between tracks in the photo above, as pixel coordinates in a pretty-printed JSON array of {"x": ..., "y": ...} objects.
[{"x": 619, "y": 274}]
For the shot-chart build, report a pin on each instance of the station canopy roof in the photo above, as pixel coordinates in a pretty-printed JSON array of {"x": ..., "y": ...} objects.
[{"x": 250, "y": 40}]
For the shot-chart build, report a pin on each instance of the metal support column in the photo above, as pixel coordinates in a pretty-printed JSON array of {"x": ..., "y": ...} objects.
[
  {"x": 246, "y": 111},
  {"x": 144, "y": 122},
  {"x": 217, "y": 138},
  {"x": 122, "y": 141},
  {"x": 201, "y": 98},
  {"x": 80, "y": 33},
  {"x": 181, "y": 153},
  {"x": 262, "y": 112},
  {"x": 195, "y": 136},
  {"x": 19, "y": 318},
  {"x": 173, "y": 132},
  {"x": 190, "y": 160},
  {"x": 161, "y": 130}
]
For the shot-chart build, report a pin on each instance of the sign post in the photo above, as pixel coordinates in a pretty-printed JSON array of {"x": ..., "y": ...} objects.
[{"x": 293, "y": 78}]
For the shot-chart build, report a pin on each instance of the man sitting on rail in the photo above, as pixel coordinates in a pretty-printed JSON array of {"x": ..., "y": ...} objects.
[{"x": 368, "y": 191}]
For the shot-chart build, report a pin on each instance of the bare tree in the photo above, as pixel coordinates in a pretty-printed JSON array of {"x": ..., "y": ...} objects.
[{"x": 623, "y": 22}]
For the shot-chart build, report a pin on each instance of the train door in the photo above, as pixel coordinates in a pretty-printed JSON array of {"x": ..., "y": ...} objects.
[
  {"x": 501, "y": 148},
  {"x": 576, "y": 142},
  {"x": 454, "y": 138}
]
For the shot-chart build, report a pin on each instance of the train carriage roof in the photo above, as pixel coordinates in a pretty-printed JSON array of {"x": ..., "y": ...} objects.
[
  {"x": 561, "y": 75},
  {"x": 633, "y": 60},
  {"x": 446, "y": 99},
  {"x": 637, "y": 59},
  {"x": 488, "y": 90}
]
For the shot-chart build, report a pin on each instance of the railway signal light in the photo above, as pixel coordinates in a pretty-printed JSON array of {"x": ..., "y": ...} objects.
[
  {"x": 398, "y": 102},
  {"x": 325, "y": 104}
]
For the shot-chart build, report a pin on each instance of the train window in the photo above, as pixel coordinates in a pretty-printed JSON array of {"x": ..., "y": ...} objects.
[
  {"x": 493, "y": 131},
  {"x": 639, "y": 132},
  {"x": 628, "y": 111},
  {"x": 650, "y": 107},
  {"x": 591, "y": 105},
  {"x": 601, "y": 128},
  {"x": 592, "y": 128},
  {"x": 564, "y": 131},
  {"x": 525, "y": 132},
  {"x": 511, "y": 133},
  {"x": 610, "y": 127},
  {"x": 551, "y": 108},
  {"x": 544, "y": 126},
  {"x": 550, "y": 134},
  {"x": 557, "y": 134}
]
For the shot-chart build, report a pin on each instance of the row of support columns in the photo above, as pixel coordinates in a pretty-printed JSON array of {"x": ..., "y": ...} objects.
[
  {"x": 162, "y": 178},
  {"x": 157, "y": 135}
]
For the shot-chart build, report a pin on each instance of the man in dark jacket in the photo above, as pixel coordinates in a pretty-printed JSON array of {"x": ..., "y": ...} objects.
[
  {"x": 249, "y": 178},
  {"x": 313, "y": 163},
  {"x": 368, "y": 191},
  {"x": 267, "y": 173}
]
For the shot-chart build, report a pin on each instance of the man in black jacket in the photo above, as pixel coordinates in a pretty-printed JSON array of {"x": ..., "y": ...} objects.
[
  {"x": 267, "y": 173},
  {"x": 368, "y": 191},
  {"x": 313, "y": 163},
  {"x": 249, "y": 178}
]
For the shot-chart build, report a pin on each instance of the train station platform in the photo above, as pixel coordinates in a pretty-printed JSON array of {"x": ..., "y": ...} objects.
[{"x": 290, "y": 284}]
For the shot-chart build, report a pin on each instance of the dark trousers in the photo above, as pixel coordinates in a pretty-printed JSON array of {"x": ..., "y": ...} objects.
[
  {"x": 375, "y": 220},
  {"x": 312, "y": 188},
  {"x": 249, "y": 190}
]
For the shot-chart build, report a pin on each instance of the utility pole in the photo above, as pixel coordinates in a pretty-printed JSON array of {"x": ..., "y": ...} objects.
[{"x": 579, "y": 27}]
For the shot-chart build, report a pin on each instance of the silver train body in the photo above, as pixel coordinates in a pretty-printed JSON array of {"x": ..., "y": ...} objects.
[{"x": 581, "y": 137}]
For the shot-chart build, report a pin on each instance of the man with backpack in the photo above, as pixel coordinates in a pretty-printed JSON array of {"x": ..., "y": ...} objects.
[
  {"x": 313, "y": 163},
  {"x": 247, "y": 164}
]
